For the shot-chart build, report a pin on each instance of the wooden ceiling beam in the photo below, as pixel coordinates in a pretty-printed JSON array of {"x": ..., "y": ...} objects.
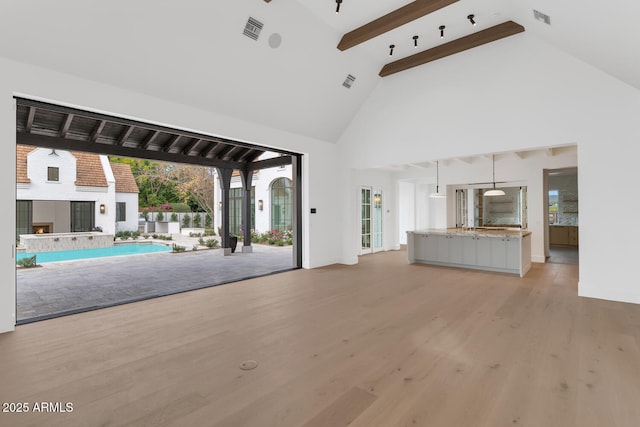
[
  {"x": 31, "y": 116},
  {"x": 152, "y": 136},
  {"x": 488, "y": 35},
  {"x": 98, "y": 130},
  {"x": 65, "y": 126},
  {"x": 390, "y": 21},
  {"x": 125, "y": 135}
]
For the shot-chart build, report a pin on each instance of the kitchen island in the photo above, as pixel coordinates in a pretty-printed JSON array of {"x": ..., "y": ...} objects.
[{"x": 500, "y": 250}]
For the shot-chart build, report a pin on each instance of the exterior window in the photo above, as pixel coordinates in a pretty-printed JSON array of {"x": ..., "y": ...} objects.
[
  {"x": 53, "y": 174},
  {"x": 281, "y": 204},
  {"x": 235, "y": 210},
  {"x": 82, "y": 216},
  {"x": 121, "y": 211},
  {"x": 24, "y": 213}
]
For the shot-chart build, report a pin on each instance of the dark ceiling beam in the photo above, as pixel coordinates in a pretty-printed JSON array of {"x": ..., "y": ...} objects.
[
  {"x": 269, "y": 163},
  {"x": 98, "y": 130},
  {"x": 167, "y": 147},
  {"x": 488, "y": 35},
  {"x": 190, "y": 146},
  {"x": 120, "y": 151},
  {"x": 210, "y": 148},
  {"x": 392, "y": 20},
  {"x": 65, "y": 126},
  {"x": 152, "y": 136},
  {"x": 253, "y": 156},
  {"x": 125, "y": 135},
  {"x": 30, "y": 117},
  {"x": 126, "y": 122}
]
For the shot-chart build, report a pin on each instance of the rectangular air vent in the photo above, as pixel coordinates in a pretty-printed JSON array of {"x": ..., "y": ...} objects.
[
  {"x": 542, "y": 17},
  {"x": 348, "y": 82},
  {"x": 253, "y": 28}
]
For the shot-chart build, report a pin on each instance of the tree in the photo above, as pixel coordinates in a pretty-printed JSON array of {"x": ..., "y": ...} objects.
[{"x": 196, "y": 183}]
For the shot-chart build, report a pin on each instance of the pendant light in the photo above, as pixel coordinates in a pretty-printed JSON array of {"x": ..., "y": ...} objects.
[
  {"x": 494, "y": 191},
  {"x": 437, "y": 194}
]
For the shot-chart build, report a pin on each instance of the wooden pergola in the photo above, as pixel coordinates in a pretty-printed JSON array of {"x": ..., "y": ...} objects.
[{"x": 60, "y": 127}]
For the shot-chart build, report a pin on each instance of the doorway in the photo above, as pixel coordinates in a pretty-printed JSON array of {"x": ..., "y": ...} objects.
[
  {"x": 371, "y": 230},
  {"x": 562, "y": 216}
]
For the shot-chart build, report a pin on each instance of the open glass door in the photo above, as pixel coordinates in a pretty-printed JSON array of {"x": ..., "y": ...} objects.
[{"x": 365, "y": 220}]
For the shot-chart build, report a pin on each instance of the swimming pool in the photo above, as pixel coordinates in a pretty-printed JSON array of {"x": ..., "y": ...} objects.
[{"x": 126, "y": 249}]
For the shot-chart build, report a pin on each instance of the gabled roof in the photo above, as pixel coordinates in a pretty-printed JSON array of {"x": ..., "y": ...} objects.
[
  {"x": 125, "y": 182},
  {"x": 89, "y": 172}
]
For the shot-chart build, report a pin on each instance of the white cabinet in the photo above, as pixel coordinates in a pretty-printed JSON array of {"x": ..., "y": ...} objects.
[
  {"x": 502, "y": 253},
  {"x": 483, "y": 251},
  {"x": 470, "y": 250},
  {"x": 513, "y": 249}
]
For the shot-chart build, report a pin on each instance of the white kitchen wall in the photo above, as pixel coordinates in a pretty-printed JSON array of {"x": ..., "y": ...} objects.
[{"x": 517, "y": 94}]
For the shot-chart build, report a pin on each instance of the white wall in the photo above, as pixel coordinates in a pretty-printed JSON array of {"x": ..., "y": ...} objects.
[
  {"x": 406, "y": 209},
  {"x": 319, "y": 247},
  {"x": 515, "y": 94},
  {"x": 131, "y": 216}
]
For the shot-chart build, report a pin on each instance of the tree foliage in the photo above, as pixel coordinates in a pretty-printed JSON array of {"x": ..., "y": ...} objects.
[{"x": 162, "y": 183}]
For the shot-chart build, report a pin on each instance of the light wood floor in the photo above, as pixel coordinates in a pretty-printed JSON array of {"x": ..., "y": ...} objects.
[{"x": 382, "y": 343}]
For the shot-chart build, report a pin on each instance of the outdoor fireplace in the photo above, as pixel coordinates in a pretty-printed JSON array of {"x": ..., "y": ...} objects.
[{"x": 41, "y": 228}]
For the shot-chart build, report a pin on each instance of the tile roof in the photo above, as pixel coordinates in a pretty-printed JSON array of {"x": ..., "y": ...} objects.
[
  {"x": 125, "y": 182},
  {"x": 21, "y": 163},
  {"x": 89, "y": 171}
]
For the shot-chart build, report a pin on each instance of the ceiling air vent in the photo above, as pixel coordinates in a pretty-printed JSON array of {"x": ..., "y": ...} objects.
[
  {"x": 542, "y": 17},
  {"x": 253, "y": 28},
  {"x": 348, "y": 82}
]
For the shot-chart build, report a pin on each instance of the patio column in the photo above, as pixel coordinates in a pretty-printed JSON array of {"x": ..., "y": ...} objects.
[
  {"x": 225, "y": 185},
  {"x": 247, "y": 177}
]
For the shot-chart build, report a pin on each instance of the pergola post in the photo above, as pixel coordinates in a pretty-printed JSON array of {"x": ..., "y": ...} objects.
[
  {"x": 247, "y": 177},
  {"x": 225, "y": 185}
]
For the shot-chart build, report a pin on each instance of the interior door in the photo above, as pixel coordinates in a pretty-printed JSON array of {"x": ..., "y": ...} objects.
[
  {"x": 371, "y": 236},
  {"x": 365, "y": 220}
]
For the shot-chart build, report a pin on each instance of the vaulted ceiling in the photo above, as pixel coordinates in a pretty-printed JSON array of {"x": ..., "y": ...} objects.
[{"x": 194, "y": 52}]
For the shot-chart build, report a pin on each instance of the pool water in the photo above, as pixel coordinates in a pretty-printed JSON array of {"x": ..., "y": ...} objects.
[{"x": 126, "y": 249}]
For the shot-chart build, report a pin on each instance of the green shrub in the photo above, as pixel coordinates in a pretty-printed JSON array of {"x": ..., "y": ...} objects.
[
  {"x": 160, "y": 216},
  {"x": 211, "y": 243},
  {"x": 174, "y": 217},
  {"x": 207, "y": 220},
  {"x": 201, "y": 241},
  {"x": 209, "y": 232},
  {"x": 186, "y": 221},
  {"x": 196, "y": 220},
  {"x": 179, "y": 207},
  {"x": 27, "y": 262},
  {"x": 178, "y": 248}
]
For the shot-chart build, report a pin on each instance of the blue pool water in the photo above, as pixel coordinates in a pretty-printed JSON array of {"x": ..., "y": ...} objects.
[{"x": 126, "y": 249}]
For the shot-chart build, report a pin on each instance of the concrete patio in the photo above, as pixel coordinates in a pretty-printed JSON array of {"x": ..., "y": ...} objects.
[{"x": 62, "y": 288}]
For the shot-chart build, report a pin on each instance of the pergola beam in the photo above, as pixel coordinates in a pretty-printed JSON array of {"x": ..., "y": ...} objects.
[{"x": 392, "y": 20}]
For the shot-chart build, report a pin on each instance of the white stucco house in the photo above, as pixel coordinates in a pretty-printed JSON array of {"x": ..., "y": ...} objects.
[
  {"x": 64, "y": 191},
  {"x": 271, "y": 199}
]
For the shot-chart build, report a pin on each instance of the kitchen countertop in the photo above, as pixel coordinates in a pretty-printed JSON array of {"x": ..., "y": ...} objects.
[{"x": 515, "y": 232}]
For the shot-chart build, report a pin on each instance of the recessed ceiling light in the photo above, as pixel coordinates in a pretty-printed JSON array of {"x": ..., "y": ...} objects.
[{"x": 542, "y": 17}]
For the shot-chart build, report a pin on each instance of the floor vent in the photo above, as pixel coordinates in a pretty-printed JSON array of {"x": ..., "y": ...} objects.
[
  {"x": 252, "y": 28},
  {"x": 542, "y": 17},
  {"x": 348, "y": 82}
]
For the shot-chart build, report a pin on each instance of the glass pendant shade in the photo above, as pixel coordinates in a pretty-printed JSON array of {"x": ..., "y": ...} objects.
[{"x": 494, "y": 191}]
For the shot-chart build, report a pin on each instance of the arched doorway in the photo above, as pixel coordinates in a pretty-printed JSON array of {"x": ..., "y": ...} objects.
[{"x": 281, "y": 204}]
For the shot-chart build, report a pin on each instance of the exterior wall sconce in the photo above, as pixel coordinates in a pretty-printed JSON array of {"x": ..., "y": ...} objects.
[
  {"x": 103, "y": 208},
  {"x": 260, "y": 204},
  {"x": 377, "y": 199},
  {"x": 219, "y": 206}
]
